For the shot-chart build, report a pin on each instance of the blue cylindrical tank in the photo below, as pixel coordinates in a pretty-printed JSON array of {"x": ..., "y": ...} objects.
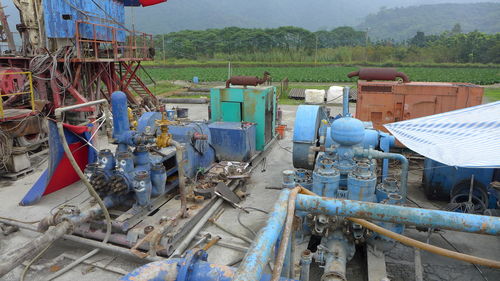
[
  {"x": 120, "y": 113},
  {"x": 326, "y": 179},
  {"x": 142, "y": 188},
  {"x": 361, "y": 183},
  {"x": 158, "y": 179},
  {"x": 141, "y": 158}
]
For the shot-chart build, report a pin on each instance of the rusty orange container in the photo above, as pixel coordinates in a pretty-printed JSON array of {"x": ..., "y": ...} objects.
[
  {"x": 385, "y": 102},
  {"x": 281, "y": 131}
]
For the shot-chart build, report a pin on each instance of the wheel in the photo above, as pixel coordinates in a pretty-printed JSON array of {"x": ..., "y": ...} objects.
[{"x": 479, "y": 198}]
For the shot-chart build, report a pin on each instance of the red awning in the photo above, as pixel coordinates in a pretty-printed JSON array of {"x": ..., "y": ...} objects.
[{"x": 146, "y": 3}]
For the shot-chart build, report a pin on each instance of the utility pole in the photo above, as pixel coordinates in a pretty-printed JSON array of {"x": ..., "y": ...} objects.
[
  {"x": 6, "y": 30},
  {"x": 366, "y": 44},
  {"x": 316, "y": 53},
  {"x": 163, "y": 42}
]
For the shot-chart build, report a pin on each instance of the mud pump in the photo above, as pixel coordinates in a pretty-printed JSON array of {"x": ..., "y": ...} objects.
[{"x": 330, "y": 197}]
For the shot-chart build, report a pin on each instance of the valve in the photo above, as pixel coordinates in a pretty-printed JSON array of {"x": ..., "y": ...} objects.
[{"x": 164, "y": 139}]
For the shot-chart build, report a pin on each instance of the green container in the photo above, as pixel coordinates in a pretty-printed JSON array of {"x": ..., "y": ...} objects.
[{"x": 252, "y": 104}]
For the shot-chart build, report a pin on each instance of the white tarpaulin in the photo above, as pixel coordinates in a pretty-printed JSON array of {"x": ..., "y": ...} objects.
[{"x": 468, "y": 137}]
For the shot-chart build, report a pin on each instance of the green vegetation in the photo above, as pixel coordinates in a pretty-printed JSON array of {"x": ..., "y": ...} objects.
[
  {"x": 402, "y": 23},
  {"x": 492, "y": 94},
  {"x": 342, "y": 45},
  {"x": 481, "y": 76},
  {"x": 163, "y": 87}
]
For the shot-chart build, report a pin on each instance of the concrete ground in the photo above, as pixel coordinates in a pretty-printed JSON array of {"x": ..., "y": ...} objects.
[{"x": 400, "y": 259}]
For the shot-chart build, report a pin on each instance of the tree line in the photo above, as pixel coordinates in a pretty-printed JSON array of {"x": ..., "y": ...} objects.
[{"x": 342, "y": 45}]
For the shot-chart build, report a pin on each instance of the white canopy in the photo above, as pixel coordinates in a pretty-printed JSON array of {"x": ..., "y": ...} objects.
[{"x": 468, "y": 137}]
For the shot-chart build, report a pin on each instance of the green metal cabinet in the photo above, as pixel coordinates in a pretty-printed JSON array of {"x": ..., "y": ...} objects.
[{"x": 252, "y": 104}]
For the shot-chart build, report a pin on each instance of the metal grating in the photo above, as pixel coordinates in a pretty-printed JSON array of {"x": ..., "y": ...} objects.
[{"x": 299, "y": 94}]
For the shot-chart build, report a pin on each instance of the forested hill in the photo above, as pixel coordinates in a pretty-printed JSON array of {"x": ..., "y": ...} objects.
[
  {"x": 403, "y": 23},
  {"x": 176, "y": 15}
]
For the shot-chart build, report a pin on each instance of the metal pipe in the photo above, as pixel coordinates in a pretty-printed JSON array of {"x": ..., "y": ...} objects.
[
  {"x": 185, "y": 243},
  {"x": 60, "y": 110},
  {"x": 259, "y": 253},
  {"x": 72, "y": 264},
  {"x": 185, "y": 100},
  {"x": 375, "y": 154},
  {"x": 280, "y": 257},
  {"x": 400, "y": 214},
  {"x": 198, "y": 270},
  {"x": 336, "y": 261},
  {"x": 345, "y": 102},
  {"x": 15, "y": 257},
  {"x": 305, "y": 265},
  {"x": 84, "y": 241},
  {"x": 179, "y": 149}
]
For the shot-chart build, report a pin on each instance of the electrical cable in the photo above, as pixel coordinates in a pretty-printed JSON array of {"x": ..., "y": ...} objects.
[
  {"x": 26, "y": 269},
  {"x": 449, "y": 243},
  {"x": 19, "y": 221},
  {"x": 245, "y": 226}
]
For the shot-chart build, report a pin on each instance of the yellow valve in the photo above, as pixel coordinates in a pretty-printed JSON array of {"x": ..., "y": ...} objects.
[
  {"x": 163, "y": 140},
  {"x": 324, "y": 121},
  {"x": 131, "y": 119}
]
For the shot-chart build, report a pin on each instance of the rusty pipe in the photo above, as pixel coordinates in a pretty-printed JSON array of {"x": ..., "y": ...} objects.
[
  {"x": 280, "y": 257},
  {"x": 370, "y": 74},
  {"x": 247, "y": 80},
  {"x": 15, "y": 257}
]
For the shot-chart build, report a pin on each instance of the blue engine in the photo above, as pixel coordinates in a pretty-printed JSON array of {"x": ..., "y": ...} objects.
[
  {"x": 337, "y": 159},
  {"x": 138, "y": 169}
]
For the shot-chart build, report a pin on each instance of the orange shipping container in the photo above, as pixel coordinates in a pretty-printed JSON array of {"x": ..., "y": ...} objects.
[{"x": 385, "y": 102}]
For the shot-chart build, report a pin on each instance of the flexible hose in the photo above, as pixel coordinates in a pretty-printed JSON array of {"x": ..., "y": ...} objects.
[
  {"x": 417, "y": 244},
  {"x": 280, "y": 257},
  {"x": 426, "y": 247},
  {"x": 89, "y": 186}
]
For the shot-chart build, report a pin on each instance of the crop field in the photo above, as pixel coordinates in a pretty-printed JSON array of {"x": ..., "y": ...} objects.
[{"x": 481, "y": 76}]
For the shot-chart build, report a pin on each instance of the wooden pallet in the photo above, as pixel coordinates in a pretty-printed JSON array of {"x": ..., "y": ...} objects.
[{"x": 18, "y": 175}]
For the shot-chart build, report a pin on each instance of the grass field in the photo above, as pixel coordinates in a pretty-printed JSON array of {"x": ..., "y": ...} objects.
[
  {"x": 492, "y": 94},
  {"x": 481, "y": 76}
]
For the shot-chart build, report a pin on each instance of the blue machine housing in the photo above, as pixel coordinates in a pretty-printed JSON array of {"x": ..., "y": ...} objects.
[
  {"x": 199, "y": 153},
  {"x": 233, "y": 141},
  {"x": 442, "y": 182}
]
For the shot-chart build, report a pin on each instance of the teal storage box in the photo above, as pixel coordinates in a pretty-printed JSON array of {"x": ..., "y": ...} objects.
[{"x": 247, "y": 104}]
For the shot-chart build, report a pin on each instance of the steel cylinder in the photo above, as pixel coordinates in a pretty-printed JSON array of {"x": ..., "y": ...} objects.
[
  {"x": 361, "y": 183},
  {"x": 326, "y": 179},
  {"x": 288, "y": 179},
  {"x": 158, "y": 179},
  {"x": 142, "y": 188}
]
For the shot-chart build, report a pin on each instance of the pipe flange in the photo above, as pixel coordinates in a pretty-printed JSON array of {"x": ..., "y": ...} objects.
[{"x": 327, "y": 276}]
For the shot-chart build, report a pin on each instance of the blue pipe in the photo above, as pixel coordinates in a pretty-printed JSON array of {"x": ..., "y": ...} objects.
[
  {"x": 199, "y": 271},
  {"x": 120, "y": 114},
  {"x": 345, "y": 103},
  {"x": 399, "y": 214},
  {"x": 259, "y": 253}
]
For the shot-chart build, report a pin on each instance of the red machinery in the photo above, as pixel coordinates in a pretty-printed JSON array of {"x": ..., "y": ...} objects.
[{"x": 385, "y": 102}]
